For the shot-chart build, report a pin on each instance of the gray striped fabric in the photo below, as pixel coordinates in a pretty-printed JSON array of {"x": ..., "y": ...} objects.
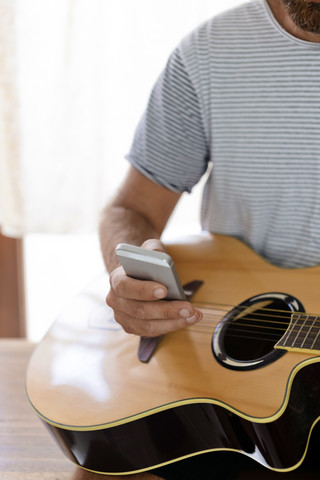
[{"x": 243, "y": 95}]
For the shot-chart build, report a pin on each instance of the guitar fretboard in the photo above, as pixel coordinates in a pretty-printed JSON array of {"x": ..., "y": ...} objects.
[{"x": 303, "y": 334}]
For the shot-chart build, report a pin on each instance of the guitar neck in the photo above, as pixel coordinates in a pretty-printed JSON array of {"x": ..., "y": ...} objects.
[{"x": 302, "y": 335}]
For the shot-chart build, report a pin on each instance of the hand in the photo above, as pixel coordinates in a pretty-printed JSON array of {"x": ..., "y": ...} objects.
[{"x": 139, "y": 307}]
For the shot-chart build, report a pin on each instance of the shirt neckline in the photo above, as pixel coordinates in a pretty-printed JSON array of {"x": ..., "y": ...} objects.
[{"x": 284, "y": 32}]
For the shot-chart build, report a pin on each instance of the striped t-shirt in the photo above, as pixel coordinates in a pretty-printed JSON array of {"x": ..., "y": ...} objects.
[{"x": 242, "y": 95}]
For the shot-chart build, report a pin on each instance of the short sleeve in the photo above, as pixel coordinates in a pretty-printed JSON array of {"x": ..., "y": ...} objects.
[{"x": 169, "y": 145}]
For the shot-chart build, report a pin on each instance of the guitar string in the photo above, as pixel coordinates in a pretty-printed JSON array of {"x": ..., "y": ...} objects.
[
  {"x": 228, "y": 308},
  {"x": 270, "y": 340},
  {"x": 302, "y": 330},
  {"x": 251, "y": 337},
  {"x": 241, "y": 330},
  {"x": 264, "y": 339},
  {"x": 274, "y": 341},
  {"x": 298, "y": 327},
  {"x": 238, "y": 323},
  {"x": 248, "y": 337},
  {"x": 210, "y": 328},
  {"x": 270, "y": 313},
  {"x": 266, "y": 317},
  {"x": 261, "y": 338},
  {"x": 238, "y": 333},
  {"x": 258, "y": 319},
  {"x": 212, "y": 317}
]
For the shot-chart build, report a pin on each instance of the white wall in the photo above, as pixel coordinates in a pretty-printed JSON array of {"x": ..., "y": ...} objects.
[{"x": 142, "y": 34}]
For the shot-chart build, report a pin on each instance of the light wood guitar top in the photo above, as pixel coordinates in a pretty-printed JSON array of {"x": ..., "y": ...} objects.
[{"x": 86, "y": 374}]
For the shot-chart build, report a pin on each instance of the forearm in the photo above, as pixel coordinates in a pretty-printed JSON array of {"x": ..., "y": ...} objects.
[
  {"x": 140, "y": 212},
  {"x": 119, "y": 224}
]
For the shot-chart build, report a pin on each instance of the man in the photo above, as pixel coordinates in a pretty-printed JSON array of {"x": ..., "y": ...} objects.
[{"x": 240, "y": 92}]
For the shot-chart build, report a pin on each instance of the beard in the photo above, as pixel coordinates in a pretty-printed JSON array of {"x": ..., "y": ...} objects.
[{"x": 305, "y": 14}]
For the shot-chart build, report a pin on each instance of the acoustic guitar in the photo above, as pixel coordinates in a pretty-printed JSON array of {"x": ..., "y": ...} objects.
[{"x": 245, "y": 379}]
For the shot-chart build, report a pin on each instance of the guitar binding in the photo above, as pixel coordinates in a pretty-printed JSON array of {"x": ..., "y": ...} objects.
[{"x": 245, "y": 337}]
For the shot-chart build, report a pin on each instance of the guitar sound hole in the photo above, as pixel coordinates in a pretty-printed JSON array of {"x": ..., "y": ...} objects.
[
  {"x": 254, "y": 333},
  {"x": 246, "y": 336}
]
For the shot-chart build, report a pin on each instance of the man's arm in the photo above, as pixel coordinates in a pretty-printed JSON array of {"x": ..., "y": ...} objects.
[
  {"x": 138, "y": 215},
  {"x": 139, "y": 211}
]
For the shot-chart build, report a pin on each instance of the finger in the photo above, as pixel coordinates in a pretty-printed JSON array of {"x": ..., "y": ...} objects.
[
  {"x": 154, "y": 328},
  {"x": 154, "y": 310},
  {"x": 153, "y": 244},
  {"x": 131, "y": 288}
]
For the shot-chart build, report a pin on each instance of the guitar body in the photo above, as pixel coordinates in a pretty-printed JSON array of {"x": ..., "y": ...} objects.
[{"x": 113, "y": 414}]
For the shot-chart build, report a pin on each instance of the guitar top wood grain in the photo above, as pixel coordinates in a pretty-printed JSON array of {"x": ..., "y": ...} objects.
[{"x": 85, "y": 373}]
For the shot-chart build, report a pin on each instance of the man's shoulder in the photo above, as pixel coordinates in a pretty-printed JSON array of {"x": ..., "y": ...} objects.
[
  {"x": 242, "y": 12},
  {"x": 231, "y": 22}
]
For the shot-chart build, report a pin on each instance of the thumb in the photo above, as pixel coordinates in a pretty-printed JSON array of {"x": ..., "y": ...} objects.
[{"x": 153, "y": 244}]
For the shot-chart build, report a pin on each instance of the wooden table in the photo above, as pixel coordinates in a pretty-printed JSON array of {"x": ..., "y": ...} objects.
[{"x": 27, "y": 451}]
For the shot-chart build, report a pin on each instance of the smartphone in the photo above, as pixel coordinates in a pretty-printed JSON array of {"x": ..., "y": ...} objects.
[{"x": 138, "y": 262}]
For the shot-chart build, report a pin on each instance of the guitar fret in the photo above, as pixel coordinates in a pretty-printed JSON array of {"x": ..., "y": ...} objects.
[
  {"x": 305, "y": 338},
  {"x": 298, "y": 334},
  {"x": 311, "y": 333},
  {"x": 313, "y": 347},
  {"x": 289, "y": 331}
]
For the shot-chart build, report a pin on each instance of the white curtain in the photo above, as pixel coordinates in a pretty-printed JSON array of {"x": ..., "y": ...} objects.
[{"x": 74, "y": 79}]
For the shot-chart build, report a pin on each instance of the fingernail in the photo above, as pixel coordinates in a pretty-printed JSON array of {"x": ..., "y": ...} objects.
[
  {"x": 184, "y": 312},
  {"x": 159, "y": 293},
  {"x": 194, "y": 318}
]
